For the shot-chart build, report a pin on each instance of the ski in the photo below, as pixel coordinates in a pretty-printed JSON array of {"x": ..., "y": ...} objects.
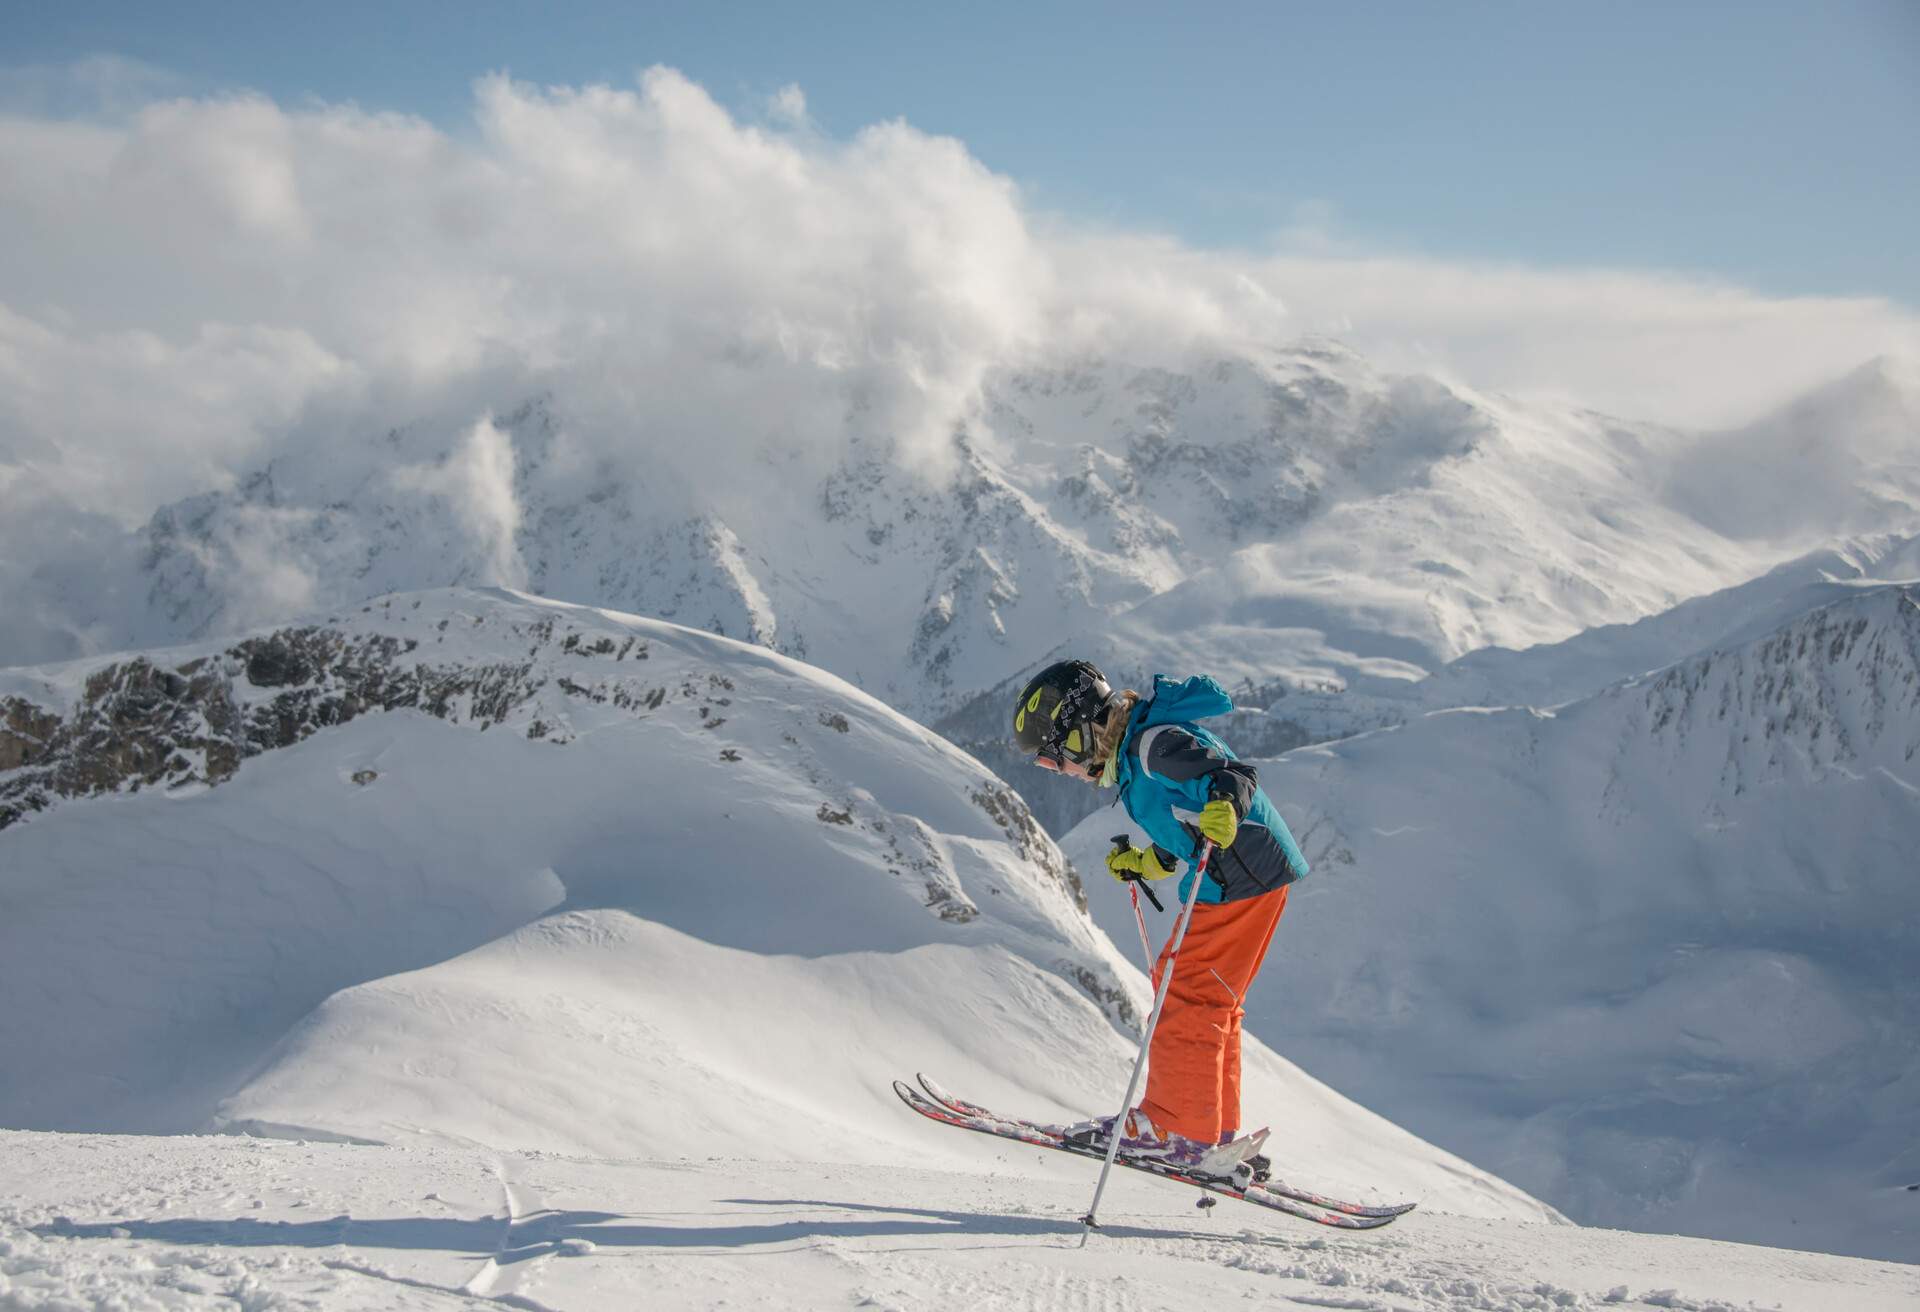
[
  {"x": 1049, "y": 1137},
  {"x": 1388, "y": 1210}
]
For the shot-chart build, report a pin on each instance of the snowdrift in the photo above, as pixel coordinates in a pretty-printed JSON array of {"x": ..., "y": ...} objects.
[{"x": 474, "y": 866}]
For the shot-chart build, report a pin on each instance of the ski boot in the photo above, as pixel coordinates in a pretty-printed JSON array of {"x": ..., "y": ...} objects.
[{"x": 1142, "y": 1140}]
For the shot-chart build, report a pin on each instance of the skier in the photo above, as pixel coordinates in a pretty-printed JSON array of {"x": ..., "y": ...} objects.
[{"x": 1184, "y": 787}]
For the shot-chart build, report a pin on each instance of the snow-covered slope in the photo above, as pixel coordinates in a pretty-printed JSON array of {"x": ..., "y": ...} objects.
[
  {"x": 1336, "y": 694},
  {"x": 1845, "y": 458},
  {"x": 1289, "y": 512},
  {"x": 1550, "y": 674},
  {"x": 218, "y": 1223},
  {"x": 473, "y": 866},
  {"x": 1650, "y": 955}
]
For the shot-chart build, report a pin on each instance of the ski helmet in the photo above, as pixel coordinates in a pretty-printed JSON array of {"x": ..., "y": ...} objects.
[{"x": 1055, "y": 715}]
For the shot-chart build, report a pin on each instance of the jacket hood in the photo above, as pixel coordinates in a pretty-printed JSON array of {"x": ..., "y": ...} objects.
[{"x": 1193, "y": 698}]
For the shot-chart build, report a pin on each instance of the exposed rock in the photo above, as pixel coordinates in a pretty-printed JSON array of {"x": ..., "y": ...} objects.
[
  {"x": 25, "y": 732},
  {"x": 1109, "y": 996},
  {"x": 139, "y": 725},
  {"x": 1028, "y": 838}
]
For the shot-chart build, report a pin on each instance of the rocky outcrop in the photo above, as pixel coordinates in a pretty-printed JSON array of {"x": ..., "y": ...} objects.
[
  {"x": 139, "y": 723},
  {"x": 1017, "y": 822}
]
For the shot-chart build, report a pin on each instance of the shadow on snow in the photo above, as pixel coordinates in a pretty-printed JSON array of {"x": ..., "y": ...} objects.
[{"x": 541, "y": 1232}]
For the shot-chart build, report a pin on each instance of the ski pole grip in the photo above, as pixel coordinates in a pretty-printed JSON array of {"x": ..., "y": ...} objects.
[{"x": 1125, "y": 844}]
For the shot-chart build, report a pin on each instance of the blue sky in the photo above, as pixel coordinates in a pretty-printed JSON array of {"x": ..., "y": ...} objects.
[{"x": 1770, "y": 144}]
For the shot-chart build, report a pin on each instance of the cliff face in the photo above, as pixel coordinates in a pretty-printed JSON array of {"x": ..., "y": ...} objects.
[{"x": 143, "y": 723}]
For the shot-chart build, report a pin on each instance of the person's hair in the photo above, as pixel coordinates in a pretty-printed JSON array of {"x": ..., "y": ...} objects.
[{"x": 1106, "y": 738}]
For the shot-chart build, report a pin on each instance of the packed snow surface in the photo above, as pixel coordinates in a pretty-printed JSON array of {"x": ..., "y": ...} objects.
[{"x": 93, "y": 1221}]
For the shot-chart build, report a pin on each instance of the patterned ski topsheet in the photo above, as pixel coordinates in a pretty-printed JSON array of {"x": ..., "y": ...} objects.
[
  {"x": 940, "y": 1094},
  {"x": 1040, "y": 1137}
]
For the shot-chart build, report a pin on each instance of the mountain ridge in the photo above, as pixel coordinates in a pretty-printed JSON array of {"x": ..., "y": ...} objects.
[{"x": 1290, "y": 503}]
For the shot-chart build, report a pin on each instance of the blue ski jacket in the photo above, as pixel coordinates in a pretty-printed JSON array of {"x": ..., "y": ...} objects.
[{"x": 1167, "y": 768}]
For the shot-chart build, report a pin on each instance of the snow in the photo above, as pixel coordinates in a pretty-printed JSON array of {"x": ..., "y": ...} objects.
[
  {"x": 719, "y": 924},
  {"x": 191, "y": 1222},
  {"x": 1648, "y": 955},
  {"x": 1607, "y": 749},
  {"x": 550, "y": 1018},
  {"x": 1288, "y": 510}
]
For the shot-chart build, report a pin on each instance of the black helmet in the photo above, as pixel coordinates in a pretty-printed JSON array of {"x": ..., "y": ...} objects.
[{"x": 1055, "y": 715}]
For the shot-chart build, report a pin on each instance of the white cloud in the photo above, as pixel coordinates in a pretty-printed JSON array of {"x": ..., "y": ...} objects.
[
  {"x": 200, "y": 284},
  {"x": 789, "y": 104},
  {"x": 477, "y": 481},
  {"x": 263, "y": 578},
  {"x": 98, "y": 86},
  {"x": 1688, "y": 351}
]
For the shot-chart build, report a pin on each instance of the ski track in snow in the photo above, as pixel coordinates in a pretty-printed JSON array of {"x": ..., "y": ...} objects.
[{"x": 517, "y": 1259}]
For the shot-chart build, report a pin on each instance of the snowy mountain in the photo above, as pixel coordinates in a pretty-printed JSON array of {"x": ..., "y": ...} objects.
[
  {"x": 1288, "y": 514},
  {"x": 558, "y": 958},
  {"x": 1843, "y": 459},
  {"x": 470, "y": 866},
  {"x": 1648, "y": 954},
  {"x": 1327, "y": 539},
  {"x": 1327, "y": 703},
  {"x": 1551, "y": 674}
]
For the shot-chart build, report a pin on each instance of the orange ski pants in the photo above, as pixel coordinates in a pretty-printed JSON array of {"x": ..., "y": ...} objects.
[{"x": 1193, "y": 1068}]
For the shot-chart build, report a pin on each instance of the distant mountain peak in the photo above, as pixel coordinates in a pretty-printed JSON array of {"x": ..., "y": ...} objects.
[
  {"x": 1229, "y": 493},
  {"x": 1837, "y": 688}
]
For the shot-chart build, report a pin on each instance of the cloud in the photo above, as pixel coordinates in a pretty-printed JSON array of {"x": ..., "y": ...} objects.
[
  {"x": 477, "y": 482},
  {"x": 789, "y": 104},
  {"x": 191, "y": 287},
  {"x": 263, "y": 576},
  {"x": 1639, "y": 344},
  {"x": 98, "y": 86}
]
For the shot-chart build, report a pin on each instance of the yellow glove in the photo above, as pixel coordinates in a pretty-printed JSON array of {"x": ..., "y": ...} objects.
[
  {"x": 1125, "y": 863},
  {"x": 1218, "y": 822}
]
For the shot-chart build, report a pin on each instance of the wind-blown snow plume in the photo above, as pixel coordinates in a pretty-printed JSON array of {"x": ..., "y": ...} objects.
[{"x": 477, "y": 481}]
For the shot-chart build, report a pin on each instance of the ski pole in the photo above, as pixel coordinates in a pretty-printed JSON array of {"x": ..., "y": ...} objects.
[
  {"x": 1087, "y": 1222},
  {"x": 1140, "y": 919},
  {"x": 1134, "y": 886}
]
